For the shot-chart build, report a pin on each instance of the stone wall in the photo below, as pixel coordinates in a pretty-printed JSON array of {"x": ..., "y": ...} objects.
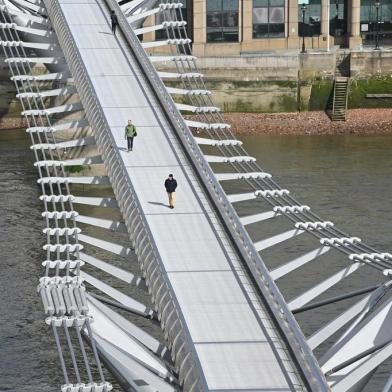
[
  {"x": 9, "y": 105},
  {"x": 371, "y": 63},
  {"x": 290, "y": 82},
  {"x": 272, "y": 82}
]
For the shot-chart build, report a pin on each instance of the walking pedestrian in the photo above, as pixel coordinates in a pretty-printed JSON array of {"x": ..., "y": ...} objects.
[
  {"x": 171, "y": 185},
  {"x": 114, "y": 20},
  {"x": 130, "y": 133}
]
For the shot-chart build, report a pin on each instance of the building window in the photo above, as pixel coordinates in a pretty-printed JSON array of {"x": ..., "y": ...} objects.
[
  {"x": 369, "y": 25},
  {"x": 311, "y": 27},
  {"x": 222, "y": 20},
  {"x": 338, "y": 17},
  {"x": 268, "y": 18}
]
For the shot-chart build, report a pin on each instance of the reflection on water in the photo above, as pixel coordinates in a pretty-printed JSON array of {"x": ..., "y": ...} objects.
[
  {"x": 345, "y": 179},
  {"x": 28, "y": 361},
  {"x": 28, "y": 357}
]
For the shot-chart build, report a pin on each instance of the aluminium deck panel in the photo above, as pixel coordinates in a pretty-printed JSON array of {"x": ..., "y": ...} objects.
[{"x": 231, "y": 331}]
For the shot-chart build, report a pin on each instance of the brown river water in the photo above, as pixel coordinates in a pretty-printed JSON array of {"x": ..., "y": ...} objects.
[{"x": 346, "y": 179}]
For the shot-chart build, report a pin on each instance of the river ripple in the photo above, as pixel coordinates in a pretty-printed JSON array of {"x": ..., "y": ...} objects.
[{"x": 344, "y": 178}]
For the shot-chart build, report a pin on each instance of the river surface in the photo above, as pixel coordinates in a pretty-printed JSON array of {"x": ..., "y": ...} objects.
[{"x": 346, "y": 179}]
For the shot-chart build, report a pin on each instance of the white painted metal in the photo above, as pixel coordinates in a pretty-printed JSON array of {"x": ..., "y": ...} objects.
[
  {"x": 162, "y": 26},
  {"x": 63, "y": 248},
  {"x": 373, "y": 331},
  {"x": 340, "y": 241},
  {"x": 72, "y": 124},
  {"x": 86, "y": 141},
  {"x": 31, "y": 6},
  {"x": 96, "y": 180},
  {"x": 342, "y": 319},
  {"x": 57, "y": 199},
  {"x": 71, "y": 107},
  {"x": 107, "y": 202},
  {"x": 241, "y": 176},
  {"x": 118, "y": 296},
  {"x": 42, "y": 33},
  {"x": 182, "y": 91},
  {"x": 129, "y": 328},
  {"x": 197, "y": 109},
  {"x": 60, "y": 76},
  {"x": 21, "y": 14},
  {"x": 89, "y": 387},
  {"x": 143, "y": 15},
  {"x": 36, "y": 60},
  {"x": 224, "y": 331},
  {"x": 156, "y": 44},
  {"x": 138, "y": 377},
  {"x": 125, "y": 342},
  {"x": 177, "y": 75},
  {"x": 223, "y": 159},
  {"x": 49, "y": 93},
  {"x": 60, "y": 214},
  {"x": 236, "y": 198},
  {"x": 165, "y": 59},
  {"x": 71, "y": 162},
  {"x": 203, "y": 125},
  {"x": 216, "y": 143},
  {"x": 50, "y": 47},
  {"x": 273, "y": 193},
  {"x": 350, "y": 381},
  {"x": 291, "y": 209},
  {"x": 314, "y": 226}
]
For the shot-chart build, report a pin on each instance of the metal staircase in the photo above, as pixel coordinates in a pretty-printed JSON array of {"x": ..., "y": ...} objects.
[
  {"x": 340, "y": 96},
  {"x": 341, "y": 83}
]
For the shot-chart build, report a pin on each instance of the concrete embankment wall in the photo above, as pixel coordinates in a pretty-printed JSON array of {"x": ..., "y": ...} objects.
[
  {"x": 9, "y": 106},
  {"x": 292, "y": 82},
  {"x": 272, "y": 82}
]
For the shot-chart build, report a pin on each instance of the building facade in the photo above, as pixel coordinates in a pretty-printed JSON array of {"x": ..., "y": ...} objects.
[{"x": 233, "y": 27}]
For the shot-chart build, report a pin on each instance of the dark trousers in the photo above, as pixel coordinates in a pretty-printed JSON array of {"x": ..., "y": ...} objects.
[
  {"x": 130, "y": 142},
  {"x": 114, "y": 25}
]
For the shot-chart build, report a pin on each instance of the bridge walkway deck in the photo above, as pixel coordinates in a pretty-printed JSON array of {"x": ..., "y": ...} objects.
[{"x": 233, "y": 335}]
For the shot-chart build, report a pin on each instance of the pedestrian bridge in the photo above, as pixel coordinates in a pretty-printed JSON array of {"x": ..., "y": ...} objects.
[{"x": 197, "y": 271}]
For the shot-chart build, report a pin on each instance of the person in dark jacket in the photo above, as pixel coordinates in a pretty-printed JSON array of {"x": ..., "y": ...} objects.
[
  {"x": 171, "y": 185},
  {"x": 130, "y": 133},
  {"x": 114, "y": 20}
]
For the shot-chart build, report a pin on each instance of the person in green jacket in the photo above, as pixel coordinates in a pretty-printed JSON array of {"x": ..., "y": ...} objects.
[{"x": 130, "y": 133}]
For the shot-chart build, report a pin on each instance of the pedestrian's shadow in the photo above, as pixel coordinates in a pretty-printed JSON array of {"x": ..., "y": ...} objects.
[
  {"x": 158, "y": 204},
  {"x": 123, "y": 149},
  {"x": 104, "y": 32}
]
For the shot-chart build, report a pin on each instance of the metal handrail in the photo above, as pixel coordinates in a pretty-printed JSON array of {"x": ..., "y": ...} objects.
[
  {"x": 257, "y": 184},
  {"x": 282, "y": 315},
  {"x": 125, "y": 193},
  {"x": 33, "y": 87}
]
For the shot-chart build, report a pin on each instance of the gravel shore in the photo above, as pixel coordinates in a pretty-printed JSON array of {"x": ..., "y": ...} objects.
[
  {"x": 13, "y": 123},
  {"x": 359, "y": 121}
]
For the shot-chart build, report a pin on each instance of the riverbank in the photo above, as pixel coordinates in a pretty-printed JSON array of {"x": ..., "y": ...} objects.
[
  {"x": 359, "y": 121},
  {"x": 13, "y": 123}
]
